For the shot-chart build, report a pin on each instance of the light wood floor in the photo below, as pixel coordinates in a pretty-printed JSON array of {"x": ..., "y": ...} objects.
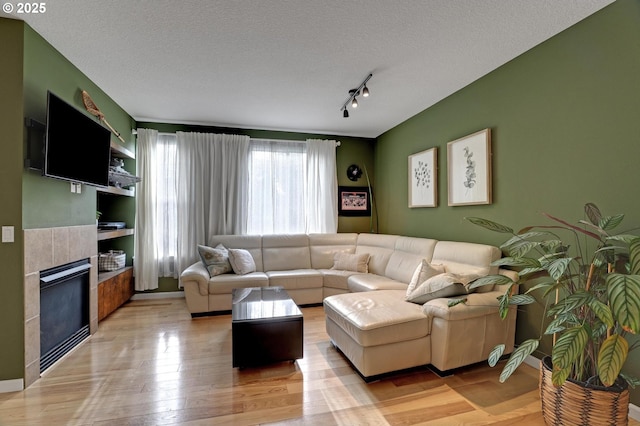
[{"x": 151, "y": 364}]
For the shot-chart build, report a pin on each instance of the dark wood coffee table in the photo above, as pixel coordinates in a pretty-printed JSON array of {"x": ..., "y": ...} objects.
[{"x": 266, "y": 326}]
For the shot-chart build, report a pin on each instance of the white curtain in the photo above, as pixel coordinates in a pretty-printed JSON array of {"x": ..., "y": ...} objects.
[
  {"x": 155, "y": 234},
  {"x": 321, "y": 187},
  {"x": 276, "y": 182},
  {"x": 212, "y": 189},
  {"x": 292, "y": 187}
]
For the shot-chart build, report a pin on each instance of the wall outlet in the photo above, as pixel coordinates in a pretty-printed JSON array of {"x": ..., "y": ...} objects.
[
  {"x": 76, "y": 188},
  {"x": 8, "y": 234}
]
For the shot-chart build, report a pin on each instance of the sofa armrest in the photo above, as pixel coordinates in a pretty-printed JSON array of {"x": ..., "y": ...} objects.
[
  {"x": 508, "y": 273},
  {"x": 198, "y": 273},
  {"x": 477, "y": 305}
]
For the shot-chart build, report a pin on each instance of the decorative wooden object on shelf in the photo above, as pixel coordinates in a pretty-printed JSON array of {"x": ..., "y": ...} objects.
[
  {"x": 114, "y": 289},
  {"x": 93, "y": 109}
]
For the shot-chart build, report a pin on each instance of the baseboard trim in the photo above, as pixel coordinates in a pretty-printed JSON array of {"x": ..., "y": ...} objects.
[
  {"x": 634, "y": 410},
  {"x": 158, "y": 295},
  {"x": 14, "y": 385}
]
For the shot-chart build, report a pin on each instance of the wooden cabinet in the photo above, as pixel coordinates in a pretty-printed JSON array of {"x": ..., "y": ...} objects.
[{"x": 114, "y": 289}]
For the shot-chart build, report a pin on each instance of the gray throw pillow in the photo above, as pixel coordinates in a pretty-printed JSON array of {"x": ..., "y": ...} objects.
[
  {"x": 441, "y": 285},
  {"x": 241, "y": 261},
  {"x": 216, "y": 260}
]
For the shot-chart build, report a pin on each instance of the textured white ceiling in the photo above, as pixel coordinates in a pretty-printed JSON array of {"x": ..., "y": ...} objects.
[{"x": 288, "y": 64}]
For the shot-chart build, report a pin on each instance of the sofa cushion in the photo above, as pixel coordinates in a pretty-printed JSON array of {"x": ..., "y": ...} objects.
[
  {"x": 351, "y": 262},
  {"x": 295, "y": 279},
  {"x": 324, "y": 246},
  {"x": 380, "y": 248},
  {"x": 241, "y": 261},
  {"x": 407, "y": 254},
  {"x": 423, "y": 272},
  {"x": 334, "y": 278},
  {"x": 467, "y": 258},
  {"x": 372, "y": 282},
  {"x": 441, "y": 285},
  {"x": 377, "y": 318},
  {"x": 215, "y": 259},
  {"x": 282, "y": 252},
  {"x": 223, "y": 284}
]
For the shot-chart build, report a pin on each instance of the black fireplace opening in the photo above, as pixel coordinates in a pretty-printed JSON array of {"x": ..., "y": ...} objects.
[{"x": 64, "y": 310}]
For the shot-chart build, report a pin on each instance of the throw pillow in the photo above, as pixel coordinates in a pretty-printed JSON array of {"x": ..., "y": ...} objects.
[
  {"x": 241, "y": 261},
  {"x": 423, "y": 272},
  {"x": 442, "y": 285},
  {"x": 351, "y": 262},
  {"x": 216, "y": 260}
]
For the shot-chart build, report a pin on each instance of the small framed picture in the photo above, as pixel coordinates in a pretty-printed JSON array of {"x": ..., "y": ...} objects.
[
  {"x": 354, "y": 201},
  {"x": 469, "y": 169},
  {"x": 423, "y": 179}
]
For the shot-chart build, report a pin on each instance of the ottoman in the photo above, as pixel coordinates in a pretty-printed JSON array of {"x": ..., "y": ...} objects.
[{"x": 378, "y": 331}]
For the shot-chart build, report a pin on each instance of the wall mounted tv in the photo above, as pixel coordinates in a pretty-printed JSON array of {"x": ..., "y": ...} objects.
[{"x": 77, "y": 148}]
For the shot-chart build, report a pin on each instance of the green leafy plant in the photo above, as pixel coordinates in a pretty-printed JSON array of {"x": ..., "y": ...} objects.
[{"x": 590, "y": 283}]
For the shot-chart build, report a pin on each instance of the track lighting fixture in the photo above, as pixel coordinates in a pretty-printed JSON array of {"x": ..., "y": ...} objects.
[{"x": 353, "y": 93}]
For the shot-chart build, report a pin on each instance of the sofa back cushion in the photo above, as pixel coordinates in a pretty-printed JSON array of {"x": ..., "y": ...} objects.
[
  {"x": 285, "y": 252},
  {"x": 324, "y": 246},
  {"x": 467, "y": 258},
  {"x": 251, "y": 243},
  {"x": 380, "y": 248},
  {"x": 408, "y": 253}
]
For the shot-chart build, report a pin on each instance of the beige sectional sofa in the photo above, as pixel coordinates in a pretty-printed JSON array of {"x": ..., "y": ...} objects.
[{"x": 367, "y": 316}]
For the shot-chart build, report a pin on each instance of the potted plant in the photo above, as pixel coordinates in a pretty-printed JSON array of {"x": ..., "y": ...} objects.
[{"x": 589, "y": 279}]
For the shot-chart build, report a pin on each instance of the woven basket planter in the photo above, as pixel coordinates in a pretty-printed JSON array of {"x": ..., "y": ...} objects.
[{"x": 576, "y": 403}]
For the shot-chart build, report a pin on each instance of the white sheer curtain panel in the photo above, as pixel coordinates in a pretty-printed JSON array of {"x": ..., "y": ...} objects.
[
  {"x": 155, "y": 232},
  {"x": 321, "y": 187},
  {"x": 276, "y": 187},
  {"x": 212, "y": 189}
]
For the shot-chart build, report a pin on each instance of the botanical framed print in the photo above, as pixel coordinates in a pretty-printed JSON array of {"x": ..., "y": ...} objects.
[
  {"x": 354, "y": 201},
  {"x": 423, "y": 177},
  {"x": 469, "y": 169}
]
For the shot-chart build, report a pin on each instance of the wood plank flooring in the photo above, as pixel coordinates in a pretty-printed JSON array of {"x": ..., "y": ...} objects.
[{"x": 151, "y": 364}]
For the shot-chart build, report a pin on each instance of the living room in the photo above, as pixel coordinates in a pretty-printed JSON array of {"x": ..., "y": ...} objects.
[{"x": 561, "y": 117}]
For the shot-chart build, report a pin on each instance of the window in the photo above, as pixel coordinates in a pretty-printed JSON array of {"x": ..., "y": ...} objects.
[
  {"x": 165, "y": 214},
  {"x": 277, "y": 176}
]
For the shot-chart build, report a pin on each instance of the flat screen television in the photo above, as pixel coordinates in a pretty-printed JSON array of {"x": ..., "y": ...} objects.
[{"x": 77, "y": 147}]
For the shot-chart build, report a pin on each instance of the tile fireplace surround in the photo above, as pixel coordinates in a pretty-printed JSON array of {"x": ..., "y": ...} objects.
[{"x": 46, "y": 248}]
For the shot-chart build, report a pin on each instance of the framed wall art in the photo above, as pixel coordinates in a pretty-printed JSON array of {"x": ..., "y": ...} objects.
[
  {"x": 423, "y": 178},
  {"x": 354, "y": 201},
  {"x": 469, "y": 169}
]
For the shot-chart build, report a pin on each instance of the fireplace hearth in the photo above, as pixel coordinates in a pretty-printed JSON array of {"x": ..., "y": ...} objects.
[{"x": 64, "y": 310}]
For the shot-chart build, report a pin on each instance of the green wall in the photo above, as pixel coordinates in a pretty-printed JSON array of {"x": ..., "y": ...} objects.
[
  {"x": 46, "y": 69},
  {"x": 11, "y": 134},
  {"x": 352, "y": 150},
  {"x": 30, "y": 67},
  {"x": 565, "y": 131}
]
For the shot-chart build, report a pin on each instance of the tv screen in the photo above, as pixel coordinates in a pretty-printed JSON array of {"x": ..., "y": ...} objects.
[{"x": 77, "y": 148}]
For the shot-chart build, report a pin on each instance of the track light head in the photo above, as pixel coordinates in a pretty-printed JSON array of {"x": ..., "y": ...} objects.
[{"x": 362, "y": 89}]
